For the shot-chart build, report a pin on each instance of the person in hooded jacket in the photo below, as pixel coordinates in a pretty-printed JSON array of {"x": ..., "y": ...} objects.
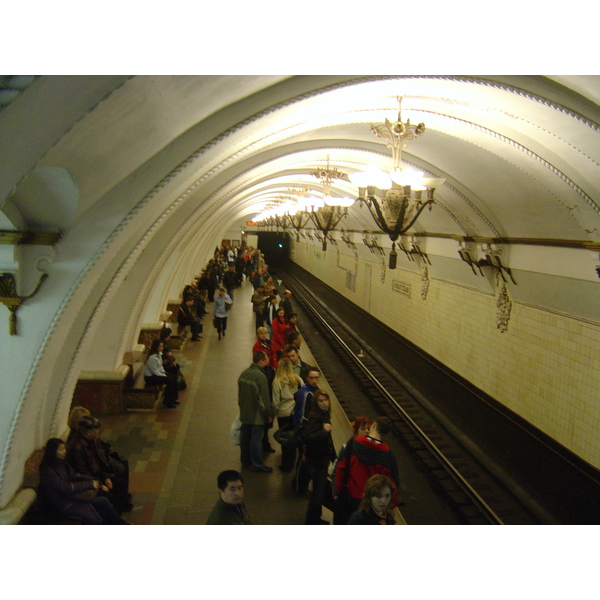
[{"x": 361, "y": 458}]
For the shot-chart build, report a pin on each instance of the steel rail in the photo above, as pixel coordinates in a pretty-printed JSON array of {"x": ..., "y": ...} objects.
[{"x": 477, "y": 500}]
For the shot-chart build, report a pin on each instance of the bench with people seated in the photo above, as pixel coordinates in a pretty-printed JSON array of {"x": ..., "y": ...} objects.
[{"x": 137, "y": 394}]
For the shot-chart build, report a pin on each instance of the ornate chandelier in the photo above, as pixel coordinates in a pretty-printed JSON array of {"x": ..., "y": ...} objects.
[
  {"x": 396, "y": 201},
  {"x": 327, "y": 212}
]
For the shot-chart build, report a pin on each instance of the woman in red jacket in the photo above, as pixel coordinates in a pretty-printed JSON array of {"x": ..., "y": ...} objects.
[{"x": 278, "y": 326}]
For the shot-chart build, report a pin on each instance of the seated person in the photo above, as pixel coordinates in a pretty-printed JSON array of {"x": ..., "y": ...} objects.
[
  {"x": 118, "y": 465},
  {"x": 87, "y": 455},
  {"x": 65, "y": 493},
  {"x": 169, "y": 363},
  {"x": 185, "y": 317},
  {"x": 155, "y": 374},
  {"x": 230, "y": 508}
]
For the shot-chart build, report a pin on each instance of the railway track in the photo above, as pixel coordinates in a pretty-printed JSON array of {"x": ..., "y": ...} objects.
[{"x": 469, "y": 486}]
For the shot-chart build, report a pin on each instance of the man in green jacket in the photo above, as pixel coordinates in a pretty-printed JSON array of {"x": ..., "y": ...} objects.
[
  {"x": 255, "y": 411},
  {"x": 230, "y": 508}
]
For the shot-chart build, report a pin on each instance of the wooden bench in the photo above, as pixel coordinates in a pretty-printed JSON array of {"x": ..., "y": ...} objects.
[{"x": 137, "y": 394}]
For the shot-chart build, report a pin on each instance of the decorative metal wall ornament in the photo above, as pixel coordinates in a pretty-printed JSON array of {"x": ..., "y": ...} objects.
[
  {"x": 10, "y": 299},
  {"x": 394, "y": 209},
  {"x": 425, "y": 280},
  {"x": 503, "y": 304}
]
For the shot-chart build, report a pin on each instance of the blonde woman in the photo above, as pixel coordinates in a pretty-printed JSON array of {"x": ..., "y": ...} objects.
[{"x": 285, "y": 385}]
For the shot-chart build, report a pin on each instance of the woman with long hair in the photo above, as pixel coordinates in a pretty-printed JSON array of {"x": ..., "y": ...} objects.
[
  {"x": 285, "y": 384},
  {"x": 374, "y": 507},
  {"x": 71, "y": 495},
  {"x": 319, "y": 452},
  {"x": 155, "y": 374}
]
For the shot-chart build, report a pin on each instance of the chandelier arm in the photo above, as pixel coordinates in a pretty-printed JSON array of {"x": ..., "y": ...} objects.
[
  {"x": 407, "y": 227},
  {"x": 378, "y": 215}
]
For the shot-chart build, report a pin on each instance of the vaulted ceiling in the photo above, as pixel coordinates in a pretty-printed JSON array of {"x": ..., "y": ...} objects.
[{"x": 519, "y": 154}]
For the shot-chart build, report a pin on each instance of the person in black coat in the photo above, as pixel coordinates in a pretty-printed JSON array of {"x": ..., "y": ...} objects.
[
  {"x": 319, "y": 452},
  {"x": 68, "y": 494},
  {"x": 186, "y": 317}
]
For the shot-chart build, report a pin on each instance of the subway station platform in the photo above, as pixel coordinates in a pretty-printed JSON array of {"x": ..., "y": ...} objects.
[{"x": 175, "y": 455}]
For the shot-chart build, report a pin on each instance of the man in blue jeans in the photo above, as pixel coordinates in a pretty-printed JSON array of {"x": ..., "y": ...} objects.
[{"x": 255, "y": 411}]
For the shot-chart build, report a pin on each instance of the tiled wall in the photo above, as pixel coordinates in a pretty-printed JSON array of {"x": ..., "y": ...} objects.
[{"x": 545, "y": 366}]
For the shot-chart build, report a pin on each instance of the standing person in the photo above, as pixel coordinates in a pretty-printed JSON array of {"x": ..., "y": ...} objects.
[
  {"x": 292, "y": 320},
  {"x": 285, "y": 384},
  {"x": 298, "y": 365},
  {"x": 375, "y": 505},
  {"x": 255, "y": 412},
  {"x": 229, "y": 508},
  {"x": 155, "y": 374},
  {"x": 269, "y": 286},
  {"x": 263, "y": 344},
  {"x": 270, "y": 314},
  {"x": 72, "y": 495},
  {"x": 230, "y": 280},
  {"x": 220, "y": 311},
  {"x": 359, "y": 459},
  {"x": 185, "y": 317},
  {"x": 286, "y": 303},
  {"x": 278, "y": 326},
  {"x": 319, "y": 452},
  {"x": 258, "y": 302},
  {"x": 305, "y": 395}
]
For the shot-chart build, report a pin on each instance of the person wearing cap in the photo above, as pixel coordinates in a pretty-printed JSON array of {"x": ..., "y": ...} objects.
[{"x": 87, "y": 456}]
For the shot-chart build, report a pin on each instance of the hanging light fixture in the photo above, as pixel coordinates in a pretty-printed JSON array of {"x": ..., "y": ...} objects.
[
  {"x": 395, "y": 201},
  {"x": 298, "y": 217},
  {"x": 328, "y": 211}
]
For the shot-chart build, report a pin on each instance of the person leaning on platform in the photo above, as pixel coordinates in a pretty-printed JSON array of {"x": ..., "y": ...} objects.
[
  {"x": 229, "y": 508},
  {"x": 155, "y": 374}
]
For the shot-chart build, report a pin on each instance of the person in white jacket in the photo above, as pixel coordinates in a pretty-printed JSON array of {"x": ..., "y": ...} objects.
[
  {"x": 154, "y": 374},
  {"x": 285, "y": 384}
]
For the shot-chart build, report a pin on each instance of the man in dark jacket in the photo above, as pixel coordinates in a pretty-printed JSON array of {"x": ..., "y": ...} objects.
[
  {"x": 186, "y": 317},
  {"x": 256, "y": 411},
  {"x": 229, "y": 508},
  {"x": 286, "y": 303},
  {"x": 230, "y": 280},
  {"x": 359, "y": 459},
  {"x": 87, "y": 455}
]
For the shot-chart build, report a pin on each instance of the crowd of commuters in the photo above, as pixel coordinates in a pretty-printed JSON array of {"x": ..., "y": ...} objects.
[
  {"x": 360, "y": 482},
  {"x": 82, "y": 479}
]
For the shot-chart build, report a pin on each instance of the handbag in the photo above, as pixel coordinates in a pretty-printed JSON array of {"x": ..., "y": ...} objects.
[
  {"x": 235, "y": 433},
  {"x": 181, "y": 382}
]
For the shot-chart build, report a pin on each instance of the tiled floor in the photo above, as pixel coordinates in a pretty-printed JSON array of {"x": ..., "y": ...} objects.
[{"x": 176, "y": 455}]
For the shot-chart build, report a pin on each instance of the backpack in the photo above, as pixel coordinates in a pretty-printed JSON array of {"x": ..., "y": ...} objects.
[{"x": 303, "y": 403}]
